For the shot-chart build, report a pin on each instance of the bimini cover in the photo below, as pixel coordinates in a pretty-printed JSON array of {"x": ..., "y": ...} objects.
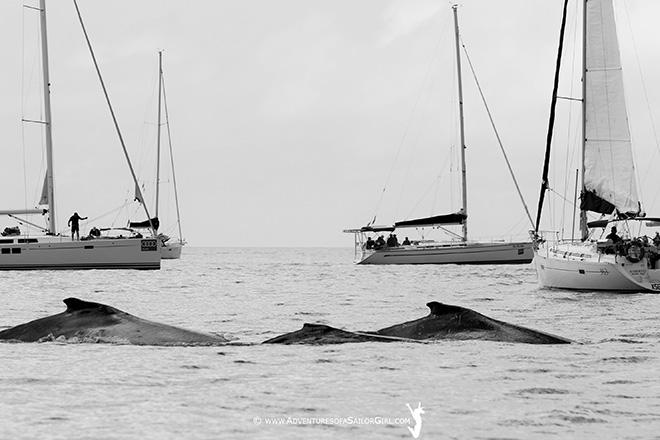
[
  {"x": 145, "y": 224},
  {"x": 448, "y": 219},
  {"x": 609, "y": 172}
]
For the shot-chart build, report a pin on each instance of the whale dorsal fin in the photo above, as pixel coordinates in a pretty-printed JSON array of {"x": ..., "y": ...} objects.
[
  {"x": 75, "y": 304},
  {"x": 438, "y": 308}
]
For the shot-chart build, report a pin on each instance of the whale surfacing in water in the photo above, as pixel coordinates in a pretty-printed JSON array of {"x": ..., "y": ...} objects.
[
  {"x": 444, "y": 322},
  {"x": 454, "y": 322},
  {"x": 94, "y": 322},
  {"x": 319, "y": 334}
]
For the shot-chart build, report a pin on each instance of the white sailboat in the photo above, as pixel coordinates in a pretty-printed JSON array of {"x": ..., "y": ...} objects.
[
  {"x": 54, "y": 251},
  {"x": 460, "y": 250},
  {"x": 629, "y": 264},
  {"x": 170, "y": 248}
]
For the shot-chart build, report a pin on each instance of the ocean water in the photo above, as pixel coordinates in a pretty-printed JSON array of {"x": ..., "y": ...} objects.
[{"x": 605, "y": 386}]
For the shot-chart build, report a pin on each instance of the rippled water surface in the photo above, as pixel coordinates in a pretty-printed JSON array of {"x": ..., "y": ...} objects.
[{"x": 606, "y": 386}]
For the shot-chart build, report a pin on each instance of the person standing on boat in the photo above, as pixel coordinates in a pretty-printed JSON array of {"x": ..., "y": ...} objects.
[
  {"x": 370, "y": 243},
  {"x": 613, "y": 236},
  {"x": 75, "y": 225}
]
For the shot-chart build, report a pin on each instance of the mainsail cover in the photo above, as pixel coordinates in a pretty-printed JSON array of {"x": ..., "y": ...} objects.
[
  {"x": 449, "y": 219},
  {"x": 609, "y": 173},
  {"x": 145, "y": 224}
]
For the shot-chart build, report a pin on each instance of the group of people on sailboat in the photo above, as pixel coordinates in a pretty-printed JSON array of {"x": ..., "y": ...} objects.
[
  {"x": 634, "y": 249},
  {"x": 380, "y": 242},
  {"x": 11, "y": 231},
  {"x": 74, "y": 222}
]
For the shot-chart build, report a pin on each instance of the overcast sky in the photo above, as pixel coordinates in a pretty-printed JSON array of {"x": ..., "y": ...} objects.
[{"x": 289, "y": 117}]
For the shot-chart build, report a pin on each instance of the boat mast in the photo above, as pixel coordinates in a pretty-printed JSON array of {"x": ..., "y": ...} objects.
[
  {"x": 169, "y": 141},
  {"x": 47, "y": 120},
  {"x": 583, "y": 214},
  {"x": 160, "y": 88},
  {"x": 461, "y": 122},
  {"x": 551, "y": 123}
]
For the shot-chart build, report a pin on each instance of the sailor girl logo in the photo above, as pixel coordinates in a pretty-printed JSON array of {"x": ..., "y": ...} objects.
[{"x": 417, "y": 416}]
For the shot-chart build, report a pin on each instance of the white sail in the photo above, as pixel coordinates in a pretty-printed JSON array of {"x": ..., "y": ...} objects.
[{"x": 608, "y": 161}]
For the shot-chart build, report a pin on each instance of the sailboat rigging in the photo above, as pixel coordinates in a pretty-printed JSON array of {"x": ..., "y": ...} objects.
[{"x": 170, "y": 249}]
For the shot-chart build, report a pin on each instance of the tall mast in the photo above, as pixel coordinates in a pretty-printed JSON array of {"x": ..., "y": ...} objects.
[
  {"x": 169, "y": 141},
  {"x": 583, "y": 214},
  {"x": 47, "y": 120},
  {"x": 160, "y": 89},
  {"x": 551, "y": 123},
  {"x": 461, "y": 122}
]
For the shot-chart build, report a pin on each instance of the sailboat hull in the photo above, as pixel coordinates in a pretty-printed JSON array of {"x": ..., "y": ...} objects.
[
  {"x": 452, "y": 253},
  {"x": 52, "y": 253},
  {"x": 171, "y": 251},
  {"x": 582, "y": 268}
]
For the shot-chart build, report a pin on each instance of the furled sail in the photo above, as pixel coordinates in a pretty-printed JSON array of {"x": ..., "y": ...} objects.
[
  {"x": 609, "y": 172},
  {"x": 43, "y": 200},
  {"x": 449, "y": 219},
  {"x": 138, "y": 194}
]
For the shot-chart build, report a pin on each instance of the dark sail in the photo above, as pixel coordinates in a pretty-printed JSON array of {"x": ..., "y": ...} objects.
[
  {"x": 590, "y": 201},
  {"x": 145, "y": 224},
  {"x": 449, "y": 219}
]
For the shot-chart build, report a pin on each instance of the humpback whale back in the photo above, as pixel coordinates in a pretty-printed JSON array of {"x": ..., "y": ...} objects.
[
  {"x": 454, "y": 322},
  {"x": 96, "y": 322},
  {"x": 444, "y": 322},
  {"x": 323, "y": 334}
]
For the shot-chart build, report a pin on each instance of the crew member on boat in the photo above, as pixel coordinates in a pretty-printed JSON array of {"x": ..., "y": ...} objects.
[
  {"x": 75, "y": 225},
  {"x": 392, "y": 241},
  {"x": 613, "y": 236},
  {"x": 370, "y": 243}
]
